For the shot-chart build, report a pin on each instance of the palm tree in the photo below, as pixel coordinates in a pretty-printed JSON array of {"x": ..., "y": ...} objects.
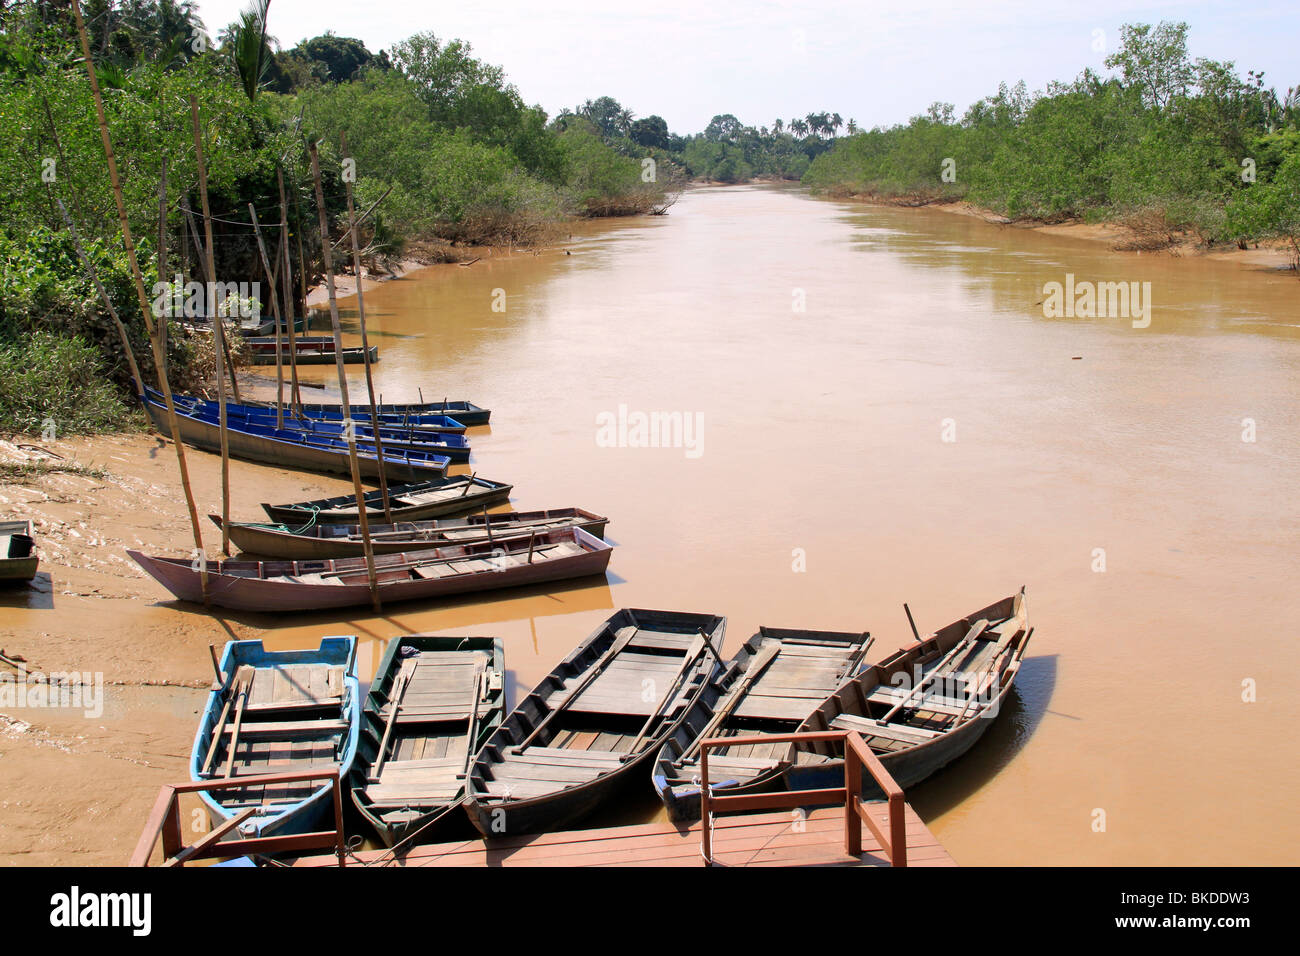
[
  {"x": 853, "y": 126},
  {"x": 799, "y": 128},
  {"x": 836, "y": 122},
  {"x": 249, "y": 46}
]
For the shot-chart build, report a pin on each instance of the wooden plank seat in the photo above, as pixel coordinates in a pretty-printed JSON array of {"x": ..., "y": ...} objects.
[
  {"x": 275, "y": 729},
  {"x": 563, "y": 756},
  {"x": 948, "y": 706},
  {"x": 868, "y": 727}
]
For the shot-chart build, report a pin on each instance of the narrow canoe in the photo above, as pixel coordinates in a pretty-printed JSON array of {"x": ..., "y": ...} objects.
[
  {"x": 18, "y": 558},
  {"x": 261, "y": 325},
  {"x": 309, "y": 350},
  {"x": 966, "y": 670},
  {"x": 440, "y": 498},
  {"x": 414, "y": 413},
  {"x": 266, "y": 410},
  {"x": 772, "y": 684},
  {"x": 344, "y": 582},
  {"x": 344, "y": 541},
  {"x": 396, "y": 438},
  {"x": 450, "y": 697},
  {"x": 593, "y": 725},
  {"x": 291, "y": 449},
  {"x": 278, "y": 712}
]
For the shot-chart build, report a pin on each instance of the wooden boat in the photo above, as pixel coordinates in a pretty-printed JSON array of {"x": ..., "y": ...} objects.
[
  {"x": 396, "y": 439},
  {"x": 593, "y": 725},
  {"x": 308, "y": 350},
  {"x": 278, "y": 712},
  {"x": 344, "y": 582},
  {"x": 344, "y": 541},
  {"x": 413, "y": 413},
  {"x": 432, "y": 704},
  {"x": 772, "y": 684},
  {"x": 258, "y": 325},
  {"x": 292, "y": 449},
  {"x": 440, "y": 498},
  {"x": 414, "y": 423},
  {"x": 927, "y": 704},
  {"x": 18, "y": 558}
]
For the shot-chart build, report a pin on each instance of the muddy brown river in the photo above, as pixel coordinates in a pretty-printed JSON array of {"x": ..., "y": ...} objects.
[{"x": 856, "y": 407}]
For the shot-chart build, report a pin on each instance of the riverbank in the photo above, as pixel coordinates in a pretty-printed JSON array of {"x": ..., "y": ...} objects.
[
  {"x": 1274, "y": 255},
  {"x": 77, "y": 784}
]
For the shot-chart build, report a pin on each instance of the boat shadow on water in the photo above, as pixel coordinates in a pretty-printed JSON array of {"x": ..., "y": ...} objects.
[
  {"x": 1020, "y": 716},
  {"x": 34, "y": 595}
]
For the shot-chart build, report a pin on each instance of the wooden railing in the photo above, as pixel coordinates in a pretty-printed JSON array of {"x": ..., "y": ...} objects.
[
  {"x": 165, "y": 822},
  {"x": 857, "y": 755}
]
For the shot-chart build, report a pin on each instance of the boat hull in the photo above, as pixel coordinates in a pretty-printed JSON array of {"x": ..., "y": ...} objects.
[
  {"x": 427, "y": 821},
  {"x": 495, "y": 815},
  {"x": 264, "y": 594},
  {"x": 256, "y": 539},
  {"x": 289, "y": 454},
  {"x": 18, "y": 560},
  {"x": 334, "y": 510},
  {"x": 304, "y": 815}
]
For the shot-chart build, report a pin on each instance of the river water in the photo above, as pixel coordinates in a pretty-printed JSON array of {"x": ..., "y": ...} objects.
[{"x": 875, "y": 409}]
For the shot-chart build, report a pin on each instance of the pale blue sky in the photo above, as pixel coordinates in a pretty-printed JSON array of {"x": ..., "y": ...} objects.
[{"x": 879, "y": 63}]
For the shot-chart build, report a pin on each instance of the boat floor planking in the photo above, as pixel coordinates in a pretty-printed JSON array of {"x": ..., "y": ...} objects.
[
  {"x": 282, "y": 711},
  {"x": 770, "y": 685},
  {"x": 443, "y": 687}
]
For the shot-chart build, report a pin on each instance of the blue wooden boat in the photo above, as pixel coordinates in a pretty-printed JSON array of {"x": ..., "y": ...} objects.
[
  {"x": 278, "y": 712},
  {"x": 418, "y": 423},
  {"x": 455, "y": 447},
  {"x": 288, "y": 448},
  {"x": 409, "y": 413}
]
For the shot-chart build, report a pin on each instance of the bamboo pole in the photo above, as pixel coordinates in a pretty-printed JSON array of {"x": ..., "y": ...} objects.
[
  {"x": 275, "y": 312},
  {"x": 218, "y": 327},
  {"x": 162, "y": 246},
  {"x": 286, "y": 279},
  {"x": 349, "y": 428},
  {"x": 203, "y": 267},
  {"x": 365, "y": 343},
  {"x": 160, "y": 357}
]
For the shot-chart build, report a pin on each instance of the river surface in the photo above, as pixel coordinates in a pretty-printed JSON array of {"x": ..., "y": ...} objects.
[{"x": 880, "y": 412}]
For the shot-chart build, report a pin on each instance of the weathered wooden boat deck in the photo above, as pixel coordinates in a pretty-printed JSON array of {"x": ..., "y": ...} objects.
[{"x": 765, "y": 839}]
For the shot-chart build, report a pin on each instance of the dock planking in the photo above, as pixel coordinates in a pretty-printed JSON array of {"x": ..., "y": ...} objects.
[{"x": 765, "y": 839}]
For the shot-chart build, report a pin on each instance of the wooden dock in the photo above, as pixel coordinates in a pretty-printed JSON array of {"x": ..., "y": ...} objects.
[{"x": 764, "y": 839}]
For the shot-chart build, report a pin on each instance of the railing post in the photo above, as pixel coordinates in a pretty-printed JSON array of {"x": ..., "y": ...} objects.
[
  {"x": 852, "y": 797},
  {"x": 897, "y": 830},
  {"x": 706, "y": 812},
  {"x": 172, "y": 841},
  {"x": 340, "y": 846}
]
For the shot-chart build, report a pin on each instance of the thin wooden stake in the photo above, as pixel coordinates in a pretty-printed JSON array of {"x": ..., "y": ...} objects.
[
  {"x": 162, "y": 244},
  {"x": 160, "y": 357},
  {"x": 218, "y": 329},
  {"x": 365, "y": 344},
  {"x": 275, "y": 312},
  {"x": 221, "y": 343},
  {"x": 286, "y": 280},
  {"x": 349, "y": 427}
]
